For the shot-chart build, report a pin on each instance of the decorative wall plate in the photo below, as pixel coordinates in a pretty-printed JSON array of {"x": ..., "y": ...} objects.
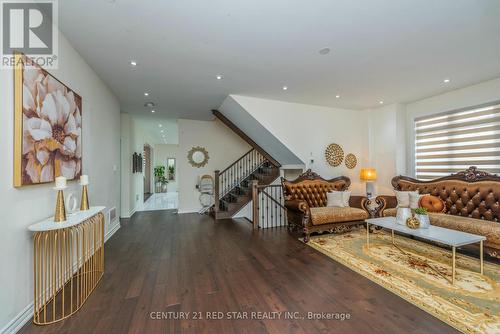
[
  {"x": 334, "y": 154},
  {"x": 351, "y": 161},
  {"x": 198, "y": 156}
]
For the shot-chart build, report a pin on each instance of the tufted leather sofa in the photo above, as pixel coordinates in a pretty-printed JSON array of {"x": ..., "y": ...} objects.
[
  {"x": 305, "y": 201},
  {"x": 471, "y": 202}
]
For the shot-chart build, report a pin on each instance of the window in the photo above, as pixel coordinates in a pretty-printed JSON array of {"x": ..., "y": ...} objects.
[{"x": 451, "y": 142}]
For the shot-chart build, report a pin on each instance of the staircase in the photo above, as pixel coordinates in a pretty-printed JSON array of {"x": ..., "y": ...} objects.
[{"x": 233, "y": 185}]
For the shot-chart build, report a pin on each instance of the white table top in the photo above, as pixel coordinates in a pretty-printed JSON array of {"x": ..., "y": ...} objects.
[
  {"x": 433, "y": 233},
  {"x": 71, "y": 220}
]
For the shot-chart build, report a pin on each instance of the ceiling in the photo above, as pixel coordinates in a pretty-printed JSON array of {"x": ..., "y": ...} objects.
[
  {"x": 390, "y": 50},
  {"x": 167, "y": 133}
]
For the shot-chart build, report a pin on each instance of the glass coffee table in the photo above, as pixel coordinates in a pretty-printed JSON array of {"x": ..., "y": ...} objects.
[{"x": 442, "y": 235}]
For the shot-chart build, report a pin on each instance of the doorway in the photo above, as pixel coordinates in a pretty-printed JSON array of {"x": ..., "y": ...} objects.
[
  {"x": 147, "y": 172},
  {"x": 164, "y": 177}
]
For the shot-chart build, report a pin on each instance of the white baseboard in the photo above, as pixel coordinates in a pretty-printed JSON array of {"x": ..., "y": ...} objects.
[
  {"x": 113, "y": 230},
  {"x": 188, "y": 211},
  {"x": 19, "y": 320},
  {"x": 131, "y": 213},
  {"x": 27, "y": 314}
]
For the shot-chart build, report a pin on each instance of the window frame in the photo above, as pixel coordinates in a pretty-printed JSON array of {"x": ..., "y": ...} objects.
[{"x": 413, "y": 133}]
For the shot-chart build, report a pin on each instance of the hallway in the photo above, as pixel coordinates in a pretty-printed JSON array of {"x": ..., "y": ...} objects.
[
  {"x": 164, "y": 262},
  {"x": 161, "y": 201}
]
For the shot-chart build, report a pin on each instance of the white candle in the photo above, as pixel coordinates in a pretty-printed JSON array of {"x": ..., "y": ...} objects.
[
  {"x": 60, "y": 182},
  {"x": 84, "y": 180}
]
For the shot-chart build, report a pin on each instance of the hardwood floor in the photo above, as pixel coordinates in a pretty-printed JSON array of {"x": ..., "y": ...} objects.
[{"x": 163, "y": 262}]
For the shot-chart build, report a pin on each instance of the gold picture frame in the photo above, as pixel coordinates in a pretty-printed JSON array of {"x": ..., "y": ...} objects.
[
  {"x": 198, "y": 156},
  {"x": 47, "y": 126}
]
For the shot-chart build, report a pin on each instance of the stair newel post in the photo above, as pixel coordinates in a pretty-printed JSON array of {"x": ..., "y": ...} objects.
[
  {"x": 216, "y": 193},
  {"x": 255, "y": 204}
]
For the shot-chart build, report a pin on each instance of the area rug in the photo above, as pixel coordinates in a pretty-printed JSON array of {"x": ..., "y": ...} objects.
[{"x": 422, "y": 276}]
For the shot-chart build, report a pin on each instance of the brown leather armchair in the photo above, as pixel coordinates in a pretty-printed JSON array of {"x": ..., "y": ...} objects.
[
  {"x": 471, "y": 202},
  {"x": 305, "y": 201}
]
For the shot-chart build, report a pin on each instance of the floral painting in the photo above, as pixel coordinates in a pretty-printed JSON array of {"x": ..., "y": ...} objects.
[{"x": 50, "y": 137}]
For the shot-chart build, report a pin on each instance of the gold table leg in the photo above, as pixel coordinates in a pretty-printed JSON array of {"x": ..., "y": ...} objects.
[
  {"x": 68, "y": 264},
  {"x": 453, "y": 250},
  {"x": 367, "y": 235},
  {"x": 481, "y": 255},
  {"x": 392, "y": 236}
]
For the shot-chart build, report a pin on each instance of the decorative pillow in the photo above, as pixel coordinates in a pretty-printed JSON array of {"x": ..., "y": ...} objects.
[
  {"x": 432, "y": 204},
  {"x": 403, "y": 198},
  {"x": 338, "y": 199},
  {"x": 414, "y": 200},
  {"x": 346, "y": 196},
  {"x": 334, "y": 199}
]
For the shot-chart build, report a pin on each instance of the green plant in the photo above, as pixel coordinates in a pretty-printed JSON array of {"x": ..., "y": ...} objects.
[
  {"x": 171, "y": 169},
  {"x": 160, "y": 174},
  {"x": 421, "y": 211}
]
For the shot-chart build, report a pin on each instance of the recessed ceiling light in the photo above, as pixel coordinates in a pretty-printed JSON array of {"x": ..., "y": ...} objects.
[
  {"x": 285, "y": 87},
  {"x": 337, "y": 96},
  {"x": 381, "y": 102},
  {"x": 152, "y": 111},
  {"x": 146, "y": 94},
  {"x": 161, "y": 131},
  {"x": 324, "y": 51},
  {"x": 159, "y": 125},
  {"x": 133, "y": 63},
  {"x": 446, "y": 80},
  {"x": 149, "y": 104},
  {"x": 219, "y": 77}
]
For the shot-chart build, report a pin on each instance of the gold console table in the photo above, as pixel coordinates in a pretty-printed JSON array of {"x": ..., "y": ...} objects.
[{"x": 68, "y": 262}]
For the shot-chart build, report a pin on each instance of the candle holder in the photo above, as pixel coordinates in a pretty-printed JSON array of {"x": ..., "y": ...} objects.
[
  {"x": 60, "y": 214},
  {"x": 84, "y": 204}
]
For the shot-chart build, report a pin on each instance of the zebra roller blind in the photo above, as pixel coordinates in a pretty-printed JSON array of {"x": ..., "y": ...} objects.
[{"x": 451, "y": 142}]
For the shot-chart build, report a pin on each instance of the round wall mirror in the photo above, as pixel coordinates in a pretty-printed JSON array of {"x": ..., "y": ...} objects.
[{"x": 198, "y": 157}]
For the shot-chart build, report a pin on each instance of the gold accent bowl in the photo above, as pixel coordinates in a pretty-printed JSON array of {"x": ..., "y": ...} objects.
[{"x": 413, "y": 223}]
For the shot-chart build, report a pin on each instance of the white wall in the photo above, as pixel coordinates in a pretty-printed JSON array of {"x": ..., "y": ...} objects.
[
  {"x": 259, "y": 134},
  {"x": 387, "y": 147},
  {"x": 162, "y": 153},
  {"x": 25, "y": 206},
  {"x": 126, "y": 165},
  {"x": 391, "y": 128},
  {"x": 307, "y": 130},
  {"x": 133, "y": 139},
  {"x": 485, "y": 92},
  {"x": 223, "y": 146}
]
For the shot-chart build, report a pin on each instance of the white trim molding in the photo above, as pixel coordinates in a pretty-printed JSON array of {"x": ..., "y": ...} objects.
[
  {"x": 19, "y": 320},
  {"x": 112, "y": 230},
  {"x": 130, "y": 214}
]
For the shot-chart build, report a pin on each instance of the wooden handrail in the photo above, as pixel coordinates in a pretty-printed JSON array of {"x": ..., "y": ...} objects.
[
  {"x": 245, "y": 137},
  {"x": 234, "y": 163}
]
